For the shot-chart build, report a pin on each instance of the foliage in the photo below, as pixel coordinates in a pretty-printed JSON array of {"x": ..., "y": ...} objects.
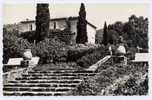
[
  {"x": 82, "y": 26},
  {"x": 93, "y": 85},
  {"x": 92, "y": 57},
  {"x": 110, "y": 34},
  {"x": 78, "y": 51},
  {"x": 42, "y": 21},
  {"x": 134, "y": 32},
  {"x": 138, "y": 29},
  {"x": 63, "y": 35},
  {"x": 50, "y": 50},
  {"x": 113, "y": 37},
  {"x": 132, "y": 88},
  {"x": 30, "y": 36},
  {"x": 108, "y": 74},
  {"x": 11, "y": 29},
  {"x": 105, "y": 34},
  {"x": 117, "y": 26},
  {"x": 13, "y": 46}
]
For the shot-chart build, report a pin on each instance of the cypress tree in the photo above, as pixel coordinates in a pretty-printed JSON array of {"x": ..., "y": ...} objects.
[
  {"x": 105, "y": 34},
  {"x": 42, "y": 21},
  {"x": 82, "y": 26},
  {"x": 68, "y": 24}
]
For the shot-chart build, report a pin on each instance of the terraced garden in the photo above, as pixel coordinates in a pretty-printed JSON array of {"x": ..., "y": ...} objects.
[{"x": 57, "y": 80}]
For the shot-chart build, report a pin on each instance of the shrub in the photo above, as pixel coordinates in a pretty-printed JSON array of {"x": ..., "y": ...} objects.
[
  {"x": 92, "y": 58},
  {"x": 50, "y": 50},
  {"x": 97, "y": 85},
  {"x": 64, "y": 35},
  {"x": 94, "y": 84},
  {"x": 87, "y": 88},
  {"x": 13, "y": 46},
  {"x": 30, "y": 36},
  {"x": 74, "y": 55},
  {"x": 79, "y": 50},
  {"x": 132, "y": 88}
]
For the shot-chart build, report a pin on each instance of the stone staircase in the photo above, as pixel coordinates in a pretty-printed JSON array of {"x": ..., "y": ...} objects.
[{"x": 52, "y": 82}]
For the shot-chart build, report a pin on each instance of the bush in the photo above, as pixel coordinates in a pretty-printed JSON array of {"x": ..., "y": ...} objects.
[
  {"x": 94, "y": 84},
  {"x": 92, "y": 58},
  {"x": 50, "y": 50},
  {"x": 97, "y": 85},
  {"x": 78, "y": 51},
  {"x": 30, "y": 36},
  {"x": 63, "y": 35},
  {"x": 13, "y": 46},
  {"x": 74, "y": 55},
  {"x": 132, "y": 88}
]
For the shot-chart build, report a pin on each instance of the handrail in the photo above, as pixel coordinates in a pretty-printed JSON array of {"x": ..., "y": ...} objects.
[{"x": 96, "y": 65}]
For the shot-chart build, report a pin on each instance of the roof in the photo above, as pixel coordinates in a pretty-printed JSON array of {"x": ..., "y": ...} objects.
[
  {"x": 141, "y": 57},
  {"x": 57, "y": 19},
  {"x": 91, "y": 24}
]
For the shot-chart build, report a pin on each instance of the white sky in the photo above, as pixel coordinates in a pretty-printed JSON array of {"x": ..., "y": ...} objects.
[{"x": 96, "y": 13}]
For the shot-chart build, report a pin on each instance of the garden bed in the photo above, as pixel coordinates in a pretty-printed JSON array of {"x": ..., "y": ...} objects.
[{"x": 107, "y": 76}]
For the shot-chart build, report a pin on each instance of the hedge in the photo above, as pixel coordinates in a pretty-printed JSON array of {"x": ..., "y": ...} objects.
[
  {"x": 79, "y": 50},
  {"x": 106, "y": 77},
  {"x": 92, "y": 58}
]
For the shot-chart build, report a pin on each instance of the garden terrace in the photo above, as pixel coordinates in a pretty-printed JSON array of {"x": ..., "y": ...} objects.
[{"x": 111, "y": 78}]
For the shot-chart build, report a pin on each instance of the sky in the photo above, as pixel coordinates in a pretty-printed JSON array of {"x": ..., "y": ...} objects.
[{"x": 97, "y": 14}]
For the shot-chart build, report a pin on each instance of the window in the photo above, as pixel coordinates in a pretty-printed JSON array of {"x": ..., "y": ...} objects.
[
  {"x": 54, "y": 25},
  {"x": 31, "y": 27}
]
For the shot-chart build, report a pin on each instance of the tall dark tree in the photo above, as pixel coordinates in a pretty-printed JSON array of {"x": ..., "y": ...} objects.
[
  {"x": 82, "y": 26},
  {"x": 105, "y": 34},
  {"x": 68, "y": 24},
  {"x": 42, "y": 21}
]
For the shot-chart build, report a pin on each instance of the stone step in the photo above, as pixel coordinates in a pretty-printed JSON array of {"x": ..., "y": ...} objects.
[
  {"x": 40, "y": 85},
  {"x": 38, "y": 89},
  {"x": 60, "y": 74},
  {"x": 47, "y": 78},
  {"x": 62, "y": 71},
  {"x": 52, "y": 77},
  {"x": 19, "y": 93},
  {"x": 55, "y": 68},
  {"x": 49, "y": 75},
  {"x": 53, "y": 82},
  {"x": 47, "y": 81}
]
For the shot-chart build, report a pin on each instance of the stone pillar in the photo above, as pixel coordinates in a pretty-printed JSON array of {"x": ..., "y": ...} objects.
[{"x": 27, "y": 57}]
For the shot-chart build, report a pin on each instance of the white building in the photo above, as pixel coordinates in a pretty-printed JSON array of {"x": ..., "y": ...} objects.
[{"x": 60, "y": 23}]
